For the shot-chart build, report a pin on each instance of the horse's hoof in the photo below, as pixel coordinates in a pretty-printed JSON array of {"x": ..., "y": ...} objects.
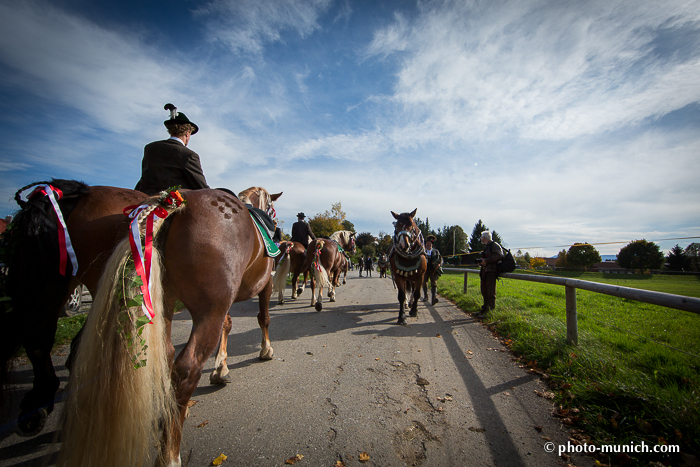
[
  {"x": 402, "y": 321},
  {"x": 217, "y": 379},
  {"x": 280, "y": 302},
  {"x": 32, "y": 423},
  {"x": 318, "y": 306},
  {"x": 266, "y": 355},
  {"x": 413, "y": 314},
  {"x": 299, "y": 291},
  {"x": 435, "y": 300}
]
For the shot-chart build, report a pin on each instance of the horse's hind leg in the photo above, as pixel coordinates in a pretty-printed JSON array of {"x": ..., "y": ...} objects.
[
  {"x": 38, "y": 403},
  {"x": 266, "y": 350},
  {"x": 414, "y": 302},
  {"x": 220, "y": 373},
  {"x": 187, "y": 371}
]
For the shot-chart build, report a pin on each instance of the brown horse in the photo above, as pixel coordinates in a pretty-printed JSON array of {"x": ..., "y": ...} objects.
[
  {"x": 206, "y": 272},
  {"x": 292, "y": 260},
  {"x": 212, "y": 256},
  {"x": 408, "y": 263},
  {"x": 324, "y": 260}
]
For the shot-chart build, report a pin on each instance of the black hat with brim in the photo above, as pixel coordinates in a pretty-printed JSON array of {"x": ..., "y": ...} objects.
[
  {"x": 179, "y": 118},
  {"x": 431, "y": 238},
  {"x": 301, "y": 214}
]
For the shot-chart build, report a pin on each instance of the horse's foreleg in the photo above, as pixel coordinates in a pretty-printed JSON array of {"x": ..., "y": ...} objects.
[
  {"x": 266, "y": 350},
  {"x": 402, "y": 303},
  {"x": 313, "y": 290},
  {"x": 295, "y": 282},
  {"x": 414, "y": 302},
  {"x": 220, "y": 373}
]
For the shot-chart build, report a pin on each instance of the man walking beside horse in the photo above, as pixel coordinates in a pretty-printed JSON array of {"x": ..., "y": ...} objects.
[{"x": 434, "y": 269}]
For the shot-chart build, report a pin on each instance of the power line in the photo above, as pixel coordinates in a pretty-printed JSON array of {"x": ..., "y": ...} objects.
[{"x": 606, "y": 243}]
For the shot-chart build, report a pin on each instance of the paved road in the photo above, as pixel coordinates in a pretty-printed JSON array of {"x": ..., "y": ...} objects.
[{"x": 442, "y": 391}]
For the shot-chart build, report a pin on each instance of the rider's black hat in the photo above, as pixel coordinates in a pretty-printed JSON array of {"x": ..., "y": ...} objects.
[
  {"x": 431, "y": 238},
  {"x": 301, "y": 214},
  {"x": 178, "y": 117}
]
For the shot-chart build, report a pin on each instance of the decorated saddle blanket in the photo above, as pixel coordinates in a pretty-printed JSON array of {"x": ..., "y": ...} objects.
[{"x": 266, "y": 228}]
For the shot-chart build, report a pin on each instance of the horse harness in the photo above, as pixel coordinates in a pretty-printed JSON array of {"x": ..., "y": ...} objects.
[{"x": 407, "y": 263}]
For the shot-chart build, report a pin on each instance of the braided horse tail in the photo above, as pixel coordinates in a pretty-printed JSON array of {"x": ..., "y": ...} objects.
[{"x": 114, "y": 407}]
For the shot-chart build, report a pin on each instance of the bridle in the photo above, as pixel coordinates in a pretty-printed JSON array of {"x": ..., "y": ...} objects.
[{"x": 413, "y": 238}]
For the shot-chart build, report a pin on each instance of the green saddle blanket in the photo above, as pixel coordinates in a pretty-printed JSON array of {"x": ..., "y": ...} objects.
[{"x": 270, "y": 248}]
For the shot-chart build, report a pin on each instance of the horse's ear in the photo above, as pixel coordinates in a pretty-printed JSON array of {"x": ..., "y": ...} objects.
[
  {"x": 413, "y": 214},
  {"x": 396, "y": 216},
  {"x": 353, "y": 234},
  {"x": 274, "y": 197}
]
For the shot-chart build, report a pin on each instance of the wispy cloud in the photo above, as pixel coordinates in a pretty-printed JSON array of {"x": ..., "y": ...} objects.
[{"x": 250, "y": 25}]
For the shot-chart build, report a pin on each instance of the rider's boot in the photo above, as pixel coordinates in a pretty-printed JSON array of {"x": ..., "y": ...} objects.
[
  {"x": 433, "y": 290},
  {"x": 425, "y": 292}
]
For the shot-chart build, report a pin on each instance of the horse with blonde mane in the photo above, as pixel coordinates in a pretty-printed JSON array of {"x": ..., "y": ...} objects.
[
  {"x": 292, "y": 260},
  {"x": 208, "y": 255},
  {"x": 324, "y": 259}
]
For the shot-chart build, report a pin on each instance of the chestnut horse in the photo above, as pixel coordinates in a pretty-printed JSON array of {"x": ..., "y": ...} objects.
[
  {"x": 206, "y": 272},
  {"x": 292, "y": 260},
  {"x": 324, "y": 260},
  {"x": 408, "y": 263},
  {"x": 383, "y": 265}
]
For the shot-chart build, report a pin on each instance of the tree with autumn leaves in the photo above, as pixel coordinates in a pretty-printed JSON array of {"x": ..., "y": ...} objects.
[{"x": 327, "y": 223}]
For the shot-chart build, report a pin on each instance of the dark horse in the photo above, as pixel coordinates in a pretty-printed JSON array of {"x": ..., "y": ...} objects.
[
  {"x": 211, "y": 256},
  {"x": 292, "y": 260},
  {"x": 408, "y": 263}
]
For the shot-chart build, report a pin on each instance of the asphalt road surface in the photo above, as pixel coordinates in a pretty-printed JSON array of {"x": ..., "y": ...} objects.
[{"x": 347, "y": 384}]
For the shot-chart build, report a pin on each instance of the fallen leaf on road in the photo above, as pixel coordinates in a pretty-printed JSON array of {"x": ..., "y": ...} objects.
[
  {"x": 538, "y": 428},
  {"x": 219, "y": 460},
  {"x": 438, "y": 335},
  {"x": 422, "y": 381},
  {"x": 364, "y": 457},
  {"x": 546, "y": 394},
  {"x": 376, "y": 359},
  {"x": 293, "y": 460},
  {"x": 204, "y": 423},
  {"x": 339, "y": 464},
  {"x": 476, "y": 430},
  {"x": 191, "y": 403},
  {"x": 469, "y": 352}
]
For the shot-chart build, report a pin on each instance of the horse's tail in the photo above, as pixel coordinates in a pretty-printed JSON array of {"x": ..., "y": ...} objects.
[
  {"x": 320, "y": 273},
  {"x": 279, "y": 282},
  {"x": 31, "y": 286},
  {"x": 114, "y": 409}
]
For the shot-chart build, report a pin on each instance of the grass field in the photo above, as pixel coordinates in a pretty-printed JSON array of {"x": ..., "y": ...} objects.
[{"x": 633, "y": 375}]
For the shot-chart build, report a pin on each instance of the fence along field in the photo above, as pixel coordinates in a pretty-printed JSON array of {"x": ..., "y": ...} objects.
[{"x": 632, "y": 376}]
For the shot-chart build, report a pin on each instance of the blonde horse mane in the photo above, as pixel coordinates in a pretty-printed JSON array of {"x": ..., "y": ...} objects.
[
  {"x": 113, "y": 410},
  {"x": 342, "y": 237},
  {"x": 262, "y": 194}
]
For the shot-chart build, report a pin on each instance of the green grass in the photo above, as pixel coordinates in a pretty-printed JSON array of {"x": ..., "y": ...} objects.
[
  {"x": 68, "y": 328},
  {"x": 633, "y": 375}
]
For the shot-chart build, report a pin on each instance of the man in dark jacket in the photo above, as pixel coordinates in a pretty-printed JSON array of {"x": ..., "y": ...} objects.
[
  {"x": 434, "y": 269},
  {"x": 301, "y": 231},
  {"x": 169, "y": 162},
  {"x": 492, "y": 254}
]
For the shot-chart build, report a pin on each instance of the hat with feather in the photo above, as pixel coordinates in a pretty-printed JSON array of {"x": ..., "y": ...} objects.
[
  {"x": 178, "y": 117},
  {"x": 431, "y": 238}
]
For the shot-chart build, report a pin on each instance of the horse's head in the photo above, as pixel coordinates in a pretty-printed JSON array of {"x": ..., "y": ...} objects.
[
  {"x": 345, "y": 239},
  {"x": 407, "y": 235},
  {"x": 259, "y": 197}
]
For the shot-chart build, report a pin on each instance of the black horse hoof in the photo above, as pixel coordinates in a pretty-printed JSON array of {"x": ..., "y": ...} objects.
[
  {"x": 435, "y": 300},
  {"x": 413, "y": 314},
  {"x": 299, "y": 291},
  {"x": 318, "y": 306},
  {"x": 32, "y": 423}
]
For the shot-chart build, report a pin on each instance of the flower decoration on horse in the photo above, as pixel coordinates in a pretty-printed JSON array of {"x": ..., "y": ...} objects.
[{"x": 171, "y": 197}]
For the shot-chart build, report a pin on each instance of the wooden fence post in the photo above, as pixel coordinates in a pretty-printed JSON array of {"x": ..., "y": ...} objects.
[
  {"x": 465, "y": 283},
  {"x": 571, "y": 316}
]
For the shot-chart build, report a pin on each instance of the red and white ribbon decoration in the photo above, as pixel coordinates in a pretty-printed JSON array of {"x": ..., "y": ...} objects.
[
  {"x": 317, "y": 256},
  {"x": 142, "y": 257},
  {"x": 65, "y": 248}
]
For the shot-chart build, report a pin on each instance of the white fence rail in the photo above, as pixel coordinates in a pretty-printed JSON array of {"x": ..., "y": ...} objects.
[{"x": 678, "y": 302}]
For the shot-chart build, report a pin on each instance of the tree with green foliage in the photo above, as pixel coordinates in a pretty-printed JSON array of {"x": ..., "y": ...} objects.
[
  {"x": 582, "y": 255},
  {"x": 640, "y": 255},
  {"x": 692, "y": 251},
  {"x": 385, "y": 242},
  {"x": 520, "y": 260},
  {"x": 347, "y": 225},
  {"x": 363, "y": 239},
  {"x": 452, "y": 239},
  {"x": 424, "y": 227},
  {"x": 561, "y": 260},
  {"x": 677, "y": 259},
  {"x": 475, "y": 239},
  {"x": 329, "y": 222}
]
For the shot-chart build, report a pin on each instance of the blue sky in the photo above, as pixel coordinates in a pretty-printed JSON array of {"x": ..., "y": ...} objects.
[{"x": 552, "y": 122}]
